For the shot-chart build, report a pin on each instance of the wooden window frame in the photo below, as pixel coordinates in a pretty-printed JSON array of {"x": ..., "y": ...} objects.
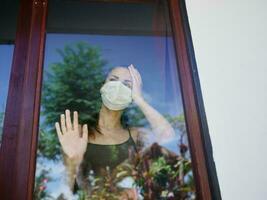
[{"x": 20, "y": 130}]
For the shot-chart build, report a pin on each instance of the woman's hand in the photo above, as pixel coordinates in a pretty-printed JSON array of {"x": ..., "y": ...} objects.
[
  {"x": 136, "y": 84},
  {"x": 72, "y": 139}
]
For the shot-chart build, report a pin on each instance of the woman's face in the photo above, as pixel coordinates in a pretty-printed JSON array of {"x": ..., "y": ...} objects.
[{"x": 120, "y": 74}]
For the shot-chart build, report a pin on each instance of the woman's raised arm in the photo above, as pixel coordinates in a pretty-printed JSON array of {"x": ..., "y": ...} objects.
[{"x": 160, "y": 126}]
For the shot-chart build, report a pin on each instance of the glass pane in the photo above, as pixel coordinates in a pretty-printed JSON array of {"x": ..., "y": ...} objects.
[
  {"x": 8, "y": 23},
  {"x": 112, "y": 122}
]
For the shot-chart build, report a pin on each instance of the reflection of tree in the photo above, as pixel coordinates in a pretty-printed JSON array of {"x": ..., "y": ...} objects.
[
  {"x": 157, "y": 171},
  {"x": 74, "y": 83},
  {"x": 40, "y": 186},
  {"x": 178, "y": 123},
  {"x": 162, "y": 174}
]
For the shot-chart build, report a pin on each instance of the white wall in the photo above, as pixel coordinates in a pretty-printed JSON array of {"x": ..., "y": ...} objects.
[{"x": 230, "y": 42}]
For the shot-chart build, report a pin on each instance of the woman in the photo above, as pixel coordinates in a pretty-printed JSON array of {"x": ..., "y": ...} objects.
[{"x": 89, "y": 148}]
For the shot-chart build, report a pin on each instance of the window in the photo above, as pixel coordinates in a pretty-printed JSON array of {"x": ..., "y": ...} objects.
[
  {"x": 76, "y": 60},
  {"x": 96, "y": 47}
]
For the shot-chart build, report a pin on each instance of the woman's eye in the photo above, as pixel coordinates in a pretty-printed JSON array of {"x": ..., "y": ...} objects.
[
  {"x": 112, "y": 79},
  {"x": 128, "y": 85}
]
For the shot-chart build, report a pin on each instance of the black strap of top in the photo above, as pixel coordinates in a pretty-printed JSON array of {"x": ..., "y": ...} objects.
[{"x": 132, "y": 139}]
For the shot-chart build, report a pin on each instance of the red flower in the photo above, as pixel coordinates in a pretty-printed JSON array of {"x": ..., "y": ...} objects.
[
  {"x": 42, "y": 187},
  {"x": 45, "y": 180}
]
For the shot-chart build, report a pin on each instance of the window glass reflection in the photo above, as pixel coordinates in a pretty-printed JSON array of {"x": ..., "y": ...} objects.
[
  {"x": 5, "y": 67},
  {"x": 112, "y": 123},
  {"x": 8, "y": 23}
]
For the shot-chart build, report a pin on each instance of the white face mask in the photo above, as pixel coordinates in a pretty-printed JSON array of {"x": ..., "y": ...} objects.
[{"x": 115, "y": 95}]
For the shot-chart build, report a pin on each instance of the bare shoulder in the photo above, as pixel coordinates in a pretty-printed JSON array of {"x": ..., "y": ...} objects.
[{"x": 138, "y": 133}]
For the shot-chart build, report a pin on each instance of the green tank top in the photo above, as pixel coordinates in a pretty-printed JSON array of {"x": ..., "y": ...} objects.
[{"x": 98, "y": 156}]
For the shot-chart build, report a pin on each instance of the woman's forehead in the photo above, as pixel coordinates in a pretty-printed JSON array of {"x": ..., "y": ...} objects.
[{"x": 121, "y": 72}]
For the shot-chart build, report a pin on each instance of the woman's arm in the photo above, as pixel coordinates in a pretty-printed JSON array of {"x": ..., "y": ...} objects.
[
  {"x": 160, "y": 126},
  {"x": 73, "y": 139},
  {"x": 71, "y": 166}
]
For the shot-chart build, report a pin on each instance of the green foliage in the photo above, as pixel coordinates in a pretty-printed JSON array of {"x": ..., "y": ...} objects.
[
  {"x": 165, "y": 177},
  {"x": 159, "y": 175},
  {"x": 71, "y": 84},
  {"x": 40, "y": 192},
  {"x": 160, "y": 171},
  {"x": 106, "y": 185},
  {"x": 177, "y": 122}
]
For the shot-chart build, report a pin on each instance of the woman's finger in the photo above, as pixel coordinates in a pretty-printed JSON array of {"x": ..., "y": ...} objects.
[
  {"x": 130, "y": 70},
  {"x": 68, "y": 120},
  {"x": 132, "y": 74},
  {"x": 75, "y": 121},
  {"x": 85, "y": 132},
  {"x": 138, "y": 77},
  {"x": 59, "y": 133},
  {"x": 63, "y": 124}
]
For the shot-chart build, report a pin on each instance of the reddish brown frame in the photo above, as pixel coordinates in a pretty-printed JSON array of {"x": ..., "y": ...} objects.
[{"x": 19, "y": 142}]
